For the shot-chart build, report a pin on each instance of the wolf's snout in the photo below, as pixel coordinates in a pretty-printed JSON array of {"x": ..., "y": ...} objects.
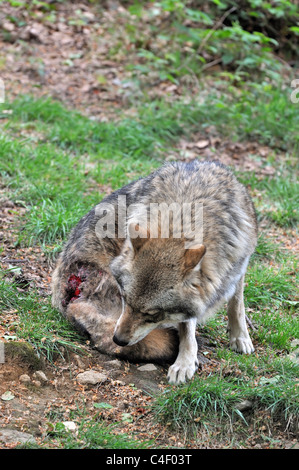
[{"x": 119, "y": 341}]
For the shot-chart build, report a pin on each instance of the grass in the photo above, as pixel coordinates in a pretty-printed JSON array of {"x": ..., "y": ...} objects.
[
  {"x": 40, "y": 325},
  {"x": 255, "y": 113},
  {"x": 213, "y": 401},
  {"x": 62, "y": 177},
  {"x": 270, "y": 285},
  {"x": 58, "y": 163},
  {"x": 285, "y": 202},
  {"x": 93, "y": 434},
  {"x": 267, "y": 378},
  {"x": 90, "y": 434}
]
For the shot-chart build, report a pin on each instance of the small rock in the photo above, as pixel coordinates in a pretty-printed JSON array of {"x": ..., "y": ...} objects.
[
  {"x": 7, "y": 396},
  {"x": 70, "y": 425},
  {"x": 114, "y": 364},
  {"x": 244, "y": 405},
  {"x": 294, "y": 354},
  {"x": 91, "y": 377},
  {"x": 40, "y": 376},
  {"x": 37, "y": 383},
  {"x": 8, "y": 26},
  {"x": 79, "y": 362},
  {"x": 10, "y": 436},
  {"x": 118, "y": 383},
  {"x": 24, "y": 378},
  {"x": 147, "y": 368},
  {"x": 123, "y": 405}
]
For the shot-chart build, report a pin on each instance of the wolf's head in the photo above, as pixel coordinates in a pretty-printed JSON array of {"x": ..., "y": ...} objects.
[{"x": 160, "y": 285}]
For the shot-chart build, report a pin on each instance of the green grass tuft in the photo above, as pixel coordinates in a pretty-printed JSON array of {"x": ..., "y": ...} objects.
[
  {"x": 41, "y": 324},
  {"x": 212, "y": 401}
]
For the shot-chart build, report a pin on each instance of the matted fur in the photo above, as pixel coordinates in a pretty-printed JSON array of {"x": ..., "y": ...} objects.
[{"x": 131, "y": 287}]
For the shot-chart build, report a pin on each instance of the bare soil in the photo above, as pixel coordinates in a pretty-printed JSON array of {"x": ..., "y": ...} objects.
[{"x": 65, "y": 61}]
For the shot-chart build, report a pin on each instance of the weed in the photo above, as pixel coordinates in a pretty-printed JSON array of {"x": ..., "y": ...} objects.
[
  {"x": 212, "y": 401},
  {"x": 97, "y": 435},
  {"x": 57, "y": 164},
  {"x": 284, "y": 196},
  {"x": 42, "y": 326}
]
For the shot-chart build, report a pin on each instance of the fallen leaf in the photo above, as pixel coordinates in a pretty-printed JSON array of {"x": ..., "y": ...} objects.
[
  {"x": 127, "y": 418},
  {"x": 201, "y": 144},
  {"x": 269, "y": 380},
  {"x": 7, "y": 396},
  {"x": 102, "y": 405}
]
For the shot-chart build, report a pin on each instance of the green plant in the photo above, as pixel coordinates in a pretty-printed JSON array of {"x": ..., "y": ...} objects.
[
  {"x": 241, "y": 39},
  {"x": 51, "y": 221},
  {"x": 212, "y": 402},
  {"x": 40, "y": 324},
  {"x": 283, "y": 194}
]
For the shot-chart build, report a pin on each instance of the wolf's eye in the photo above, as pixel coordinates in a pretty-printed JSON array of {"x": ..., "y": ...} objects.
[
  {"x": 154, "y": 316},
  {"x": 152, "y": 312}
]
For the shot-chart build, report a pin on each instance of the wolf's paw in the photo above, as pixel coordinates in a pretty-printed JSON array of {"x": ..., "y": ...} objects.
[
  {"x": 181, "y": 371},
  {"x": 242, "y": 345}
]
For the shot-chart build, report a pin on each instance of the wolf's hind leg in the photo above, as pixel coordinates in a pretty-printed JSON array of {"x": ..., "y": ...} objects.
[
  {"x": 186, "y": 362},
  {"x": 239, "y": 337}
]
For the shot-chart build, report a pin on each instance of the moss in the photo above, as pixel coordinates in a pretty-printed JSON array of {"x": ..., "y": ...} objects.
[{"x": 23, "y": 353}]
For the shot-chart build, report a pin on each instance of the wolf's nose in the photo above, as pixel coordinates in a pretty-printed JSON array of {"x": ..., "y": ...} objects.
[{"x": 119, "y": 341}]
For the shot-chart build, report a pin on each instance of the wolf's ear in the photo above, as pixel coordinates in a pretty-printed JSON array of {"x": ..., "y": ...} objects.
[
  {"x": 138, "y": 236},
  {"x": 192, "y": 257}
]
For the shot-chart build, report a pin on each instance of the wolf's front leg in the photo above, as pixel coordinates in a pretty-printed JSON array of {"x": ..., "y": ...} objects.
[
  {"x": 186, "y": 363},
  {"x": 239, "y": 337}
]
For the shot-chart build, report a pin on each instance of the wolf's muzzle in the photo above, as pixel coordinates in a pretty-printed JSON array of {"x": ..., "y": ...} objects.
[{"x": 119, "y": 342}]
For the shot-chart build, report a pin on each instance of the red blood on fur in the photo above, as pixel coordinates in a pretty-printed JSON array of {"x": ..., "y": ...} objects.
[
  {"x": 82, "y": 273},
  {"x": 74, "y": 281},
  {"x": 73, "y": 286}
]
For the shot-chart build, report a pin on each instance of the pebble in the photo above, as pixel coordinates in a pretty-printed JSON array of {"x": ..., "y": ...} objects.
[
  {"x": 114, "y": 364},
  {"x": 8, "y": 26},
  {"x": 7, "y": 396},
  {"x": 37, "y": 383},
  {"x": 91, "y": 377},
  {"x": 70, "y": 425},
  {"x": 147, "y": 368},
  {"x": 244, "y": 405},
  {"x": 294, "y": 355},
  {"x": 40, "y": 376},
  {"x": 10, "y": 436},
  {"x": 24, "y": 378}
]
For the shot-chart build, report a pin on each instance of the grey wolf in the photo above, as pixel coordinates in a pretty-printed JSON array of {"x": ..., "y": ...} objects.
[{"x": 139, "y": 296}]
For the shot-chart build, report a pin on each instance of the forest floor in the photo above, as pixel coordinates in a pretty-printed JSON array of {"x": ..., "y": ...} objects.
[{"x": 77, "y": 59}]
